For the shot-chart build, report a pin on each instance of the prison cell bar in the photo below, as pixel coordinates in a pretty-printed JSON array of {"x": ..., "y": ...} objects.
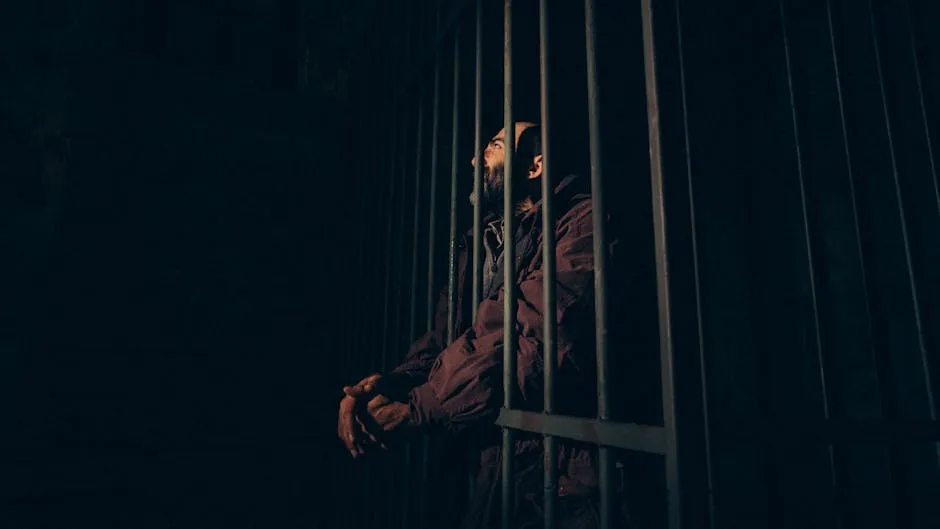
[
  {"x": 383, "y": 470},
  {"x": 413, "y": 316},
  {"x": 395, "y": 340},
  {"x": 374, "y": 352},
  {"x": 600, "y": 253},
  {"x": 662, "y": 264},
  {"x": 509, "y": 268},
  {"x": 478, "y": 166},
  {"x": 452, "y": 245},
  {"x": 432, "y": 203},
  {"x": 548, "y": 272},
  {"x": 402, "y": 326},
  {"x": 432, "y": 221},
  {"x": 390, "y": 259},
  {"x": 399, "y": 283}
]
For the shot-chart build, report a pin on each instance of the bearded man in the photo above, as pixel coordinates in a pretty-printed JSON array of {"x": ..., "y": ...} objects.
[{"x": 457, "y": 387}]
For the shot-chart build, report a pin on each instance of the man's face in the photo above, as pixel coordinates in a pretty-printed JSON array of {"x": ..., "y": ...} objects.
[{"x": 494, "y": 170}]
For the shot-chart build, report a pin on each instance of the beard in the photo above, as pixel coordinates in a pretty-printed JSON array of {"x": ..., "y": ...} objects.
[{"x": 494, "y": 191}]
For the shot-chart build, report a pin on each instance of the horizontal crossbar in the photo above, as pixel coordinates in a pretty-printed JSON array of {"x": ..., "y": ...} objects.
[{"x": 629, "y": 436}]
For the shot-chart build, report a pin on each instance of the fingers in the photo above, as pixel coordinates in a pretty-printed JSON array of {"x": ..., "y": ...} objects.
[
  {"x": 365, "y": 386},
  {"x": 346, "y": 427},
  {"x": 376, "y": 403},
  {"x": 354, "y": 391},
  {"x": 368, "y": 432},
  {"x": 353, "y": 432}
]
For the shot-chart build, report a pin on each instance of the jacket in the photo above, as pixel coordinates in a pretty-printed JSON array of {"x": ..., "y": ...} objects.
[{"x": 457, "y": 387}]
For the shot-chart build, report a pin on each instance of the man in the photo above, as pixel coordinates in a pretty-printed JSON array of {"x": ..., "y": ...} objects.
[{"x": 457, "y": 387}]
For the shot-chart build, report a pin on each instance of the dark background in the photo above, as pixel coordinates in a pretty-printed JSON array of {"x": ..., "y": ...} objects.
[{"x": 170, "y": 234}]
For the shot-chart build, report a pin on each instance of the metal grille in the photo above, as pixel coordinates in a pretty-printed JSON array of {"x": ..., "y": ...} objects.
[{"x": 768, "y": 170}]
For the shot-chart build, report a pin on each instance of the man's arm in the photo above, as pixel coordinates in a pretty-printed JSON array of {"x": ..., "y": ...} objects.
[
  {"x": 465, "y": 384},
  {"x": 386, "y": 392},
  {"x": 416, "y": 366}
]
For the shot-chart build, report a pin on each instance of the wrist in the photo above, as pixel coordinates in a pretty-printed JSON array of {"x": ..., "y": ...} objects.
[{"x": 425, "y": 407}]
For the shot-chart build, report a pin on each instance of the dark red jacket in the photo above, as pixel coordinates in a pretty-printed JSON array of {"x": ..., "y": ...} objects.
[{"x": 458, "y": 387}]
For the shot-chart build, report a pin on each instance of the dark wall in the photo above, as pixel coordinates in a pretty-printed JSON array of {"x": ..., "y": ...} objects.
[{"x": 167, "y": 263}]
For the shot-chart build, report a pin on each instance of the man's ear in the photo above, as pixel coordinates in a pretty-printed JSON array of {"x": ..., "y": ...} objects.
[{"x": 535, "y": 170}]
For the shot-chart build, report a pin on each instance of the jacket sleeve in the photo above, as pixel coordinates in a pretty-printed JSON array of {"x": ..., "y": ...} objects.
[
  {"x": 421, "y": 355},
  {"x": 465, "y": 384}
]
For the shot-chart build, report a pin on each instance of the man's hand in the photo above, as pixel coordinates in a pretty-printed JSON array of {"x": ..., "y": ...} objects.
[
  {"x": 350, "y": 429},
  {"x": 388, "y": 414}
]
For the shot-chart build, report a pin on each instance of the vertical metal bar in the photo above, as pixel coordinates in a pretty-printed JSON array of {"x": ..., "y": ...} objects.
[
  {"x": 600, "y": 261},
  {"x": 396, "y": 477},
  {"x": 407, "y": 119},
  {"x": 809, "y": 251},
  {"x": 412, "y": 321},
  {"x": 432, "y": 202},
  {"x": 550, "y": 322},
  {"x": 509, "y": 267},
  {"x": 419, "y": 144},
  {"x": 662, "y": 265},
  {"x": 477, "y": 182},
  {"x": 478, "y": 166},
  {"x": 432, "y": 222},
  {"x": 389, "y": 251},
  {"x": 452, "y": 246}
]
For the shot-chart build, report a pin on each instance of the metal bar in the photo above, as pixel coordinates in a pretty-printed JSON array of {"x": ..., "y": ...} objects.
[
  {"x": 662, "y": 265},
  {"x": 412, "y": 319},
  {"x": 550, "y": 329},
  {"x": 394, "y": 339},
  {"x": 379, "y": 350},
  {"x": 432, "y": 200},
  {"x": 477, "y": 281},
  {"x": 399, "y": 467},
  {"x": 424, "y": 488},
  {"x": 389, "y": 251},
  {"x": 415, "y": 243},
  {"x": 627, "y": 436},
  {"x": 809, "y": 252},
  {"x": 652, "y": 439},
  {"x": 509, "y": 266},
  {"x": 478, "y": 166},
  {"x": 452, "y": 246},
  {"x": 400, "y": 331},
  {"x": 605, "y": 472}
]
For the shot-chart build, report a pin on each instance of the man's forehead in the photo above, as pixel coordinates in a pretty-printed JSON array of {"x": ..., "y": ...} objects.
[{"x": 520, "y": 127}]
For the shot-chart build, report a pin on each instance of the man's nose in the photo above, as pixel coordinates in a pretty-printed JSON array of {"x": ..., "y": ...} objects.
[{"x": 481, "y": 154}]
